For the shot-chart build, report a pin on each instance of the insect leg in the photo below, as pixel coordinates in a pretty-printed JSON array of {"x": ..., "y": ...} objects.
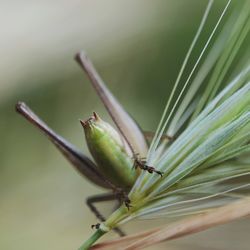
[
  {"x": 126, "y": 125},
  {"x": 101, "y": 198},
  {"x": 80, "y": 161},
  {"x": 138, "y": 163}
]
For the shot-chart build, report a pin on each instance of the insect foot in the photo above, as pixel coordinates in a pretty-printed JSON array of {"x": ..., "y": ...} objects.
[
  {"x": 127, "y": 202},
  {"x": 95, "y": 226},
  {"x": 142, "y": 165},
  {"x": 123, "y": 197}
]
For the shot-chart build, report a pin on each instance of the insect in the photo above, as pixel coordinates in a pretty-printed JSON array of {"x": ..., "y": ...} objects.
[
  {"x": 211, "y": 124},
  {"x": 119, "y": 155}
]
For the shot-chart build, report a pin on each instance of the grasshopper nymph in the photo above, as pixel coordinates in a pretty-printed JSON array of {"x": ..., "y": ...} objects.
[{"x": 119, "y": 155}]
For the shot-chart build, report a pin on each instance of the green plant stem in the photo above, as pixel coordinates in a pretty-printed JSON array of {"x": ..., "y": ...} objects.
[
  {"x": 88, "y": 243},
  {"x": 106, "y": 226}
]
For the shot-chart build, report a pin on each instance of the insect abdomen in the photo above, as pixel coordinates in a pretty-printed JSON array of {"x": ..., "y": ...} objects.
[{"x": 110, "y": 151}]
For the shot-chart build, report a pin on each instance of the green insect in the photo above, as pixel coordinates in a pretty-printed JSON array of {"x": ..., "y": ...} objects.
[{"x": 119, "y": 155}]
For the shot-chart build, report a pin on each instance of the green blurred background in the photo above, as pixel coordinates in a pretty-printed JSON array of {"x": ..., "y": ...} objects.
[{"x": 138, "y": 47}]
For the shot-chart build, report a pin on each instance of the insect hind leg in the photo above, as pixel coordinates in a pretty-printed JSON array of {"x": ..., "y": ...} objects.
[{"x": 102, "y": 198}]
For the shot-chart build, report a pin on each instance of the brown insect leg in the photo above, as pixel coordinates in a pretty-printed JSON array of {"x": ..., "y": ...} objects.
[
  {"x": 101, "y": 198},
  {"x": 122, "y": 196},
  {"x": 138, "y": 163}
]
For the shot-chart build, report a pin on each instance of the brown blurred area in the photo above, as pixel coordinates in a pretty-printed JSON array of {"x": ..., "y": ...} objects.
[{"x": 138, "y": 47}]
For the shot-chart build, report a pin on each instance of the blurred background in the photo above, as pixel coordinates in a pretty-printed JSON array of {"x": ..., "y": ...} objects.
[{"x": 138, "y": 47}]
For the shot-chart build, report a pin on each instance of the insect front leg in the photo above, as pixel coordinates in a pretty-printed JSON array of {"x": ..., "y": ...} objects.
[
  {"x": 102, "y": 198},
  {"x": 142, "y": 164}
]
